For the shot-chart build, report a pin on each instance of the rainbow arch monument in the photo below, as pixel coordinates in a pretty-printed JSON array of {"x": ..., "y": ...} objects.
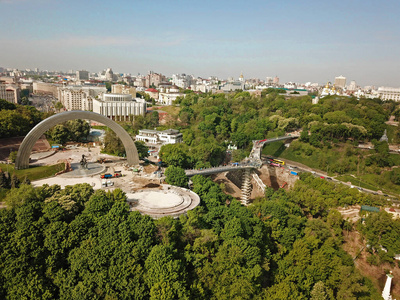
[{"x": 22, "y": 160}]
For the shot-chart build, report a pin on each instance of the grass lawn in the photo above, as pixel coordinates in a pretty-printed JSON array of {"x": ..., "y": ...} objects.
[
  {"x": 99, "y": 127},
  {"x": 313, "y": 160},
  {"x": 356, "y": 181},
  {"x": 34, "y": 173},
  {"x": 171, "y": 110},
  {"x": 391, "y": 134}
]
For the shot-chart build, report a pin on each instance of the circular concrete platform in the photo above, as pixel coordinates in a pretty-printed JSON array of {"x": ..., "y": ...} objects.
[
  {"x": 78, "y": 171},
  {"x": 164, "y": 201},
  {"x": 155, "y": 200}
]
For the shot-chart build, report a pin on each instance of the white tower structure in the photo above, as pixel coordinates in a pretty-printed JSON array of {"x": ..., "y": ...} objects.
[{"x": 386, "y": 291}]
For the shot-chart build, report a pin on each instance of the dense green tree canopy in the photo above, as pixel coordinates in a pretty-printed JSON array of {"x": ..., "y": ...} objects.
[{"x": 77, "y": 243}]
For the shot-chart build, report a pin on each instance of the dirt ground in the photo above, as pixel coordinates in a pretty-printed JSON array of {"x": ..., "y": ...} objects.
[
  {"x": 12, "y": 144},
  {"x": 270, "y": 176},
  {"x": 230, "y": 187},
  {"x": 353, "y": 244}
]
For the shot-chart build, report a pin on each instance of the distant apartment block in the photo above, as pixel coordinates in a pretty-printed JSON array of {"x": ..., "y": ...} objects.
[
  {"x": 340, "y": 81},
  {"x": 123, "y": 89},
  {"x": 82, "y": 75},
  {"x": 182, "y": 80},
  {"x": 154, "y": 79},
  {"x": 79, "y": 97},
  {"x": 10, "y": 92},
  {"x": 169, "y": 136},
  {"x": 2, "y": 90}
]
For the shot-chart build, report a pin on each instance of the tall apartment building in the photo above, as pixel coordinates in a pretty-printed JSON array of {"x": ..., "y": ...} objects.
[
  {"x": 82, "y": 75},
  {"x": 13, "y": 94},
  {"x": 140, "y": 81},
  {"x": 2, "y": 90},
  {"x": 340, "y": 81},
  {"x": 154, "y": 79},
  {"x": 352, "y": 86},
  {"x": 74, "y": 99},
  {"x": 109, "y": 74},
  {"x": 79, "y": 97},
  {"x": 10, "y": 92}
]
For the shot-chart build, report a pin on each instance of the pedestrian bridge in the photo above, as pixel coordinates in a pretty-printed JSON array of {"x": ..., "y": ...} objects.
[
  {"x": 220, "y": 169},
  {"x": 251, "y": 162}
]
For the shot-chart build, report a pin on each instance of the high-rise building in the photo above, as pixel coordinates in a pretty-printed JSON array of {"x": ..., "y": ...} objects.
[
  {"x": 276, "y": 80},
  {"x": 2, "y": 90},
  {"x": 109, "y": 74},
  {"x": 154, "y": 79},
  {"x": 82, "y": 75},
  {"x": 79, "y": 98},
  {"x": 340, "y": 81},
  {"x": 352, "y": 86}
]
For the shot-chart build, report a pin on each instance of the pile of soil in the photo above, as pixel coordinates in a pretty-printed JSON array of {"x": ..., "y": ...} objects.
[{"x": 151, "y": 185}]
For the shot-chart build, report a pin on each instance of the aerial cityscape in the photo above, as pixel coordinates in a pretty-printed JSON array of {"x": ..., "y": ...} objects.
[{"x": 199, "y": 150}]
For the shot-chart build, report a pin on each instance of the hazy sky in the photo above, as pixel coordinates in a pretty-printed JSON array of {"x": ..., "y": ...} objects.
[{"x": 296, "y": 40}]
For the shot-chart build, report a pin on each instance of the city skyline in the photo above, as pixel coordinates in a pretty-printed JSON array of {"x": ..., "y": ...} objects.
[{"x": 308, "y": 41}]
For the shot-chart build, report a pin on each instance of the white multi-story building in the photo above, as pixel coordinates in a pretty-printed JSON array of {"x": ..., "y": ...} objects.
[
  {"x": 182, "y": 80},
  {"x": 168, "y": 95},
  {"x": 169, "y": 136},
  {"x": 119, "y": 106},
  {"x": 352, "y": 86},
  {"x": 79, "y": 97},
  {"x": 389, "y": 93}
]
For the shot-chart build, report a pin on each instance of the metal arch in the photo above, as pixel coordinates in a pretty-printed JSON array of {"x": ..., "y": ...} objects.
[{"x": 22, "y": 161}]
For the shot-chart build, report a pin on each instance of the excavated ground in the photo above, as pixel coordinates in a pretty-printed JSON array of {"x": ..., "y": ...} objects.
[{"x": 271, "y": 176}]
